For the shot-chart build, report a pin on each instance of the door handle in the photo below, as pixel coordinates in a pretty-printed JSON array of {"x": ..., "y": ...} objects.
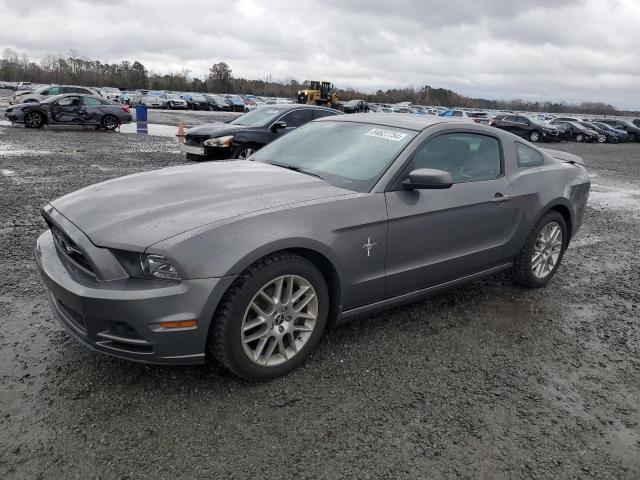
[{"x": 501, "y": 198}]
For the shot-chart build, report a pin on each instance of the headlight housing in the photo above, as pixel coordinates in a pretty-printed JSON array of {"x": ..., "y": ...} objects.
[
  {"x": 148, "y": 265},
  {"x": 219, "y": 141}
]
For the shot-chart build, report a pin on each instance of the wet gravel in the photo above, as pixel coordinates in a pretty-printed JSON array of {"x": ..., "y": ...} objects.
[{"x": 485, "y": 381}]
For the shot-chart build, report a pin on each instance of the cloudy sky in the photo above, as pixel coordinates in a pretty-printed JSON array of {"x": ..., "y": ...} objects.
[{"x": 573, "y": 50}]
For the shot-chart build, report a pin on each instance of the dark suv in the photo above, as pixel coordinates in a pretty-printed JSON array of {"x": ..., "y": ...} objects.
[
  {"x": 627, "y": 126},
  {"x": 526, "y": 127}
]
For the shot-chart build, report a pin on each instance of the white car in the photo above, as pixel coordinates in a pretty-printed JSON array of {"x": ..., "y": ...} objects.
[
  {"x": 44, "y": 92},
  {"x": 110, "y": 93},
  {"x": 173, "y": 101}
]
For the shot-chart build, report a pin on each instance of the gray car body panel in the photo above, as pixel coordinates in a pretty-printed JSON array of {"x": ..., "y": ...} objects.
[{"x": 386, "y": 246}]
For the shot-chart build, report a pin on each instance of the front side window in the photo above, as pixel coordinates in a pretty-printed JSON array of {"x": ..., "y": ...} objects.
[
  {"x": 457, "y": 113},
  {"x": 527, "y": 156},
  {"x": 468, "y": 157},
  {"x": 323, "y": 113},
  {"x": 297, "y": 118},
  {"x": 69, "y": 101},
  {"x": 348, "y": 155}
]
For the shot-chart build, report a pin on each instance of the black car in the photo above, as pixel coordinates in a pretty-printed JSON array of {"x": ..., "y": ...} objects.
[
  {"x": 249, "y": 132},
  {"x": 627, "y": 126},
  {"x": 196, "y": 101},
  {"x": 355, "y": 106},
  {"x": 604, "y": 135},
  {"x": 575, "y": 132},
  {"x": 218, "y": 104},
  {"x": 526, "y": 127}
]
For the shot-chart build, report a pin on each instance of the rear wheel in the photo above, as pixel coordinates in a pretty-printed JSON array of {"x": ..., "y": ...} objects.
[
  {"x": 271, "y": 318},
  {"x": 33, "y": 120},
  {"x": 542, "y": 253},
  {"x": 110, "y": 122},
  {"x": 632, "y": 137}
]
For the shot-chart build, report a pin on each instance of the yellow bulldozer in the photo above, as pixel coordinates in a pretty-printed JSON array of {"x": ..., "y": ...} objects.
[{"x": 319, "y": 93}]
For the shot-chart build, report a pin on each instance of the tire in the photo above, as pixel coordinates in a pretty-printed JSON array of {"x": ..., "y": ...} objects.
[
  {"x": 534, "y": 136},
  {"x": 579, "y": 137},
  {"x": 244, "y": 151},
  {"x": 34, "y": 120},
  {"x": 249, "y": 347},
  {"x": 110, "y": 122},
  {"x": 170, "y": 105},
  {"x": 523, "y": 269},
  {"x": 601, "y": 138},
  {"x": 632, "y": 137}
]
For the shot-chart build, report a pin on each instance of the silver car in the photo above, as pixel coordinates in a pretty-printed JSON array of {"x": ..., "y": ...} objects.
[
  {"x": 249, "y": 261},
  {"x": 42, "y": 93}
]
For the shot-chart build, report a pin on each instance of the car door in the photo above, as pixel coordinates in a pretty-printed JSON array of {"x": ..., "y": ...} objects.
[
  {"x": 294, "y": 119},
  {"x": 66, "y": 110},
  {"x": 510, "y": 124},
  {"x": 92, "y": 110},
  {"x": 437, "y": 235}
]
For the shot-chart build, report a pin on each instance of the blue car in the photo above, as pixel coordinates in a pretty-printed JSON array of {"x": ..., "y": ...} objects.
[
  {"x": 237, "y": 104},
  {"x": 621, "y": 134}
]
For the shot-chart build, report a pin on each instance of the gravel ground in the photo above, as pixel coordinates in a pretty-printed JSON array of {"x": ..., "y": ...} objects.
[{"x": 485, "y": 381}]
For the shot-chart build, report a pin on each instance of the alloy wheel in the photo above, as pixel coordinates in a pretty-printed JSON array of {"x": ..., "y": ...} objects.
[
  {"x": 33, "y": 120},
  {"x": 546, "y": 250},
  {"x": 579, "y": 138},
  {"x": 602, "y": 139},
  {"x": 110, "y": 122},
  {"x": 534, "y": 137},
  {"x": 246, "y": 153},
  {"x": 279, "y": 320}
]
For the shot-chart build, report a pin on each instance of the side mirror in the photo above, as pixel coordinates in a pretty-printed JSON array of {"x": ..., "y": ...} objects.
[
  {"x": 423, "y": 178},
  {"x": 278, "y": 125}
]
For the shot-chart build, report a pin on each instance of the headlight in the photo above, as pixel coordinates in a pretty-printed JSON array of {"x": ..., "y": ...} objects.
[
  {"x": 219, "y": 141},
  {"x": 148, "y": 265}
]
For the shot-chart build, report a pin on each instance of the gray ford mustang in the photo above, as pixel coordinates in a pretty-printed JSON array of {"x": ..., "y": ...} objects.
[{"x": 248, "y": 261}]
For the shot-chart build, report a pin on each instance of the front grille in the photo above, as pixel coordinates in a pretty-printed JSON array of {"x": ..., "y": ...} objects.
[
  {"x": 195, "y": 140},
  {"x": 69, "y": 248}
]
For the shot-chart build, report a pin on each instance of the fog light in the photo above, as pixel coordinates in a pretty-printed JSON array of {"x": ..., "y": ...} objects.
[{"x": 179, "y": 324}]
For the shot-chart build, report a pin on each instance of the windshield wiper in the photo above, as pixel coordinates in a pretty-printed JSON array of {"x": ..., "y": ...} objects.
[{"x": 295, "y": 168}]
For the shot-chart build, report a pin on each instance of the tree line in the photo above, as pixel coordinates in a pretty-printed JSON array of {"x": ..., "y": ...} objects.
[{"x": 73, "y": 69}]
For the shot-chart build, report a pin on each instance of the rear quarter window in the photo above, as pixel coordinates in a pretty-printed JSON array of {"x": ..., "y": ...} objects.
[{"x": 527, "y": 156}]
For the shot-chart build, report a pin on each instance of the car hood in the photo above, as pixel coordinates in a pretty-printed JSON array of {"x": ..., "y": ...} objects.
[
  {"x": 215, "y": 129},
  {"x": 137, "y": 211}
]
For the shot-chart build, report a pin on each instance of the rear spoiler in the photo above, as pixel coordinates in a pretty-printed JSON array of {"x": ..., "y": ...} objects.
[{"x": 563, "y": 156}]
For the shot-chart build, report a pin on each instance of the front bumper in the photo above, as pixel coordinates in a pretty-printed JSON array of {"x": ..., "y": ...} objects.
[{"x": 122, "y": 317}]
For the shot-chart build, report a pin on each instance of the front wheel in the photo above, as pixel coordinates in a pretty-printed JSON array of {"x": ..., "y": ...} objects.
[
  {"x": 271, "y": 318},
  {"x": 602, "y": 138},
  {"x": 632, "y": 137},
  {"x": 534, "y": 136},
  {"x": 542, "y": 253},
  {"x": 110, "y": 122},
  {"x": 579, "y": 138},
  {"x": 33, "y": 120},
  {"x": 244, "y": 151}
]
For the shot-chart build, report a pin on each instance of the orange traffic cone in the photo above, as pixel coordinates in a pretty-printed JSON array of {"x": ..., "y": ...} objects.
[{"x": 181, "y": 128}]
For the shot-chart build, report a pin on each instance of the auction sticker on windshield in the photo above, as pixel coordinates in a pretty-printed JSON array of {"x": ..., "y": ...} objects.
[{"x": 386, "y": 134}]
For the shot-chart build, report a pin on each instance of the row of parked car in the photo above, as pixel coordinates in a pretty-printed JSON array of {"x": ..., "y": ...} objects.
[
  {"x": 154, "y": 98},
  {"x": 535, "y": 127}
]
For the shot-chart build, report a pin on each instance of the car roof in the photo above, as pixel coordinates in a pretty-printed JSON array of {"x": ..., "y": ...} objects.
[
  {"x": 293, "y": 106},
  {"x": 408, "y": 121}
]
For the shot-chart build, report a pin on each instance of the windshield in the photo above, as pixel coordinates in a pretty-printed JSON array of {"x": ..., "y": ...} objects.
[
  {"x": 173, "y": 95},
  {"x": 347, "y": 155},
  {"x": 197, "y": 96},
  {"x": 257, "y": 118},
  {"x": 111, "y": 90}
]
